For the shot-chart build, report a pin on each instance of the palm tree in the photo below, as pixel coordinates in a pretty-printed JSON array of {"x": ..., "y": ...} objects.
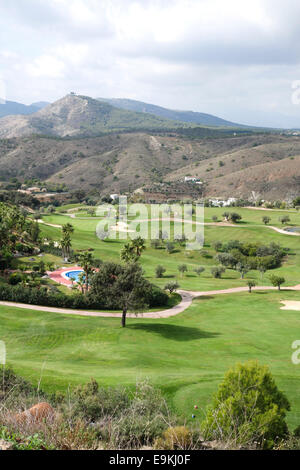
[
  {"x": 86, "y": 261},
  {"x": 67, "y": 231},
  {"x": 138, "y": 245},
  {"x": 68, "y": 228},
  {"x": 127, "y": 253},
  {"x": 81, "y": 282},
  {"x": 66, "y": 245}
]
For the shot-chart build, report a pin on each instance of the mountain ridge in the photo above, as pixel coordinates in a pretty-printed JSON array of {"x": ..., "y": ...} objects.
[
  {"x": 268, "y": 164},
  {"x": 76, "y": 115},
  {"x": 193, "y": 117}
]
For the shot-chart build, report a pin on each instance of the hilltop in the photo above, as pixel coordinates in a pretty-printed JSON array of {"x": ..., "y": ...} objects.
[{"x": 80, "y": 116}]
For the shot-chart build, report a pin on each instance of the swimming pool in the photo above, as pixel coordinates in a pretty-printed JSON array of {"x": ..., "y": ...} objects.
[
  {"x": 293, "y": 229},
  {"x": 72, "y": 274}
]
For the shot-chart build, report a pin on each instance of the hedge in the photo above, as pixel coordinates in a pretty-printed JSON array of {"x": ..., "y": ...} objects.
[{"x": 41, "y": 296}]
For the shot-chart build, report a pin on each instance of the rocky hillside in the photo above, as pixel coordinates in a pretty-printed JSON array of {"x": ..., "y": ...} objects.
[
  {"x": 80, "y": 116},
  {"x": 114, "y": 163}
]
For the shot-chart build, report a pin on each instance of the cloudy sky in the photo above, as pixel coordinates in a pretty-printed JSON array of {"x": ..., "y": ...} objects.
[{"x": 236, "y": 59}]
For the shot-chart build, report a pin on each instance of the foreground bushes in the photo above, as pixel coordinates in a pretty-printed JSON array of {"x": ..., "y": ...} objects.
[
  {"x": 247, "y": 409},
  {"x": 247, "y": 412},
  {"x": 90, "y": 417},
  {"x": 123, "y": 419}
]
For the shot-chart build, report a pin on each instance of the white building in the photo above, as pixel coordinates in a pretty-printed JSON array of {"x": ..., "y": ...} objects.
[
  {"x": 218, "y": 202},
  {"x": 190, "y": 179}
]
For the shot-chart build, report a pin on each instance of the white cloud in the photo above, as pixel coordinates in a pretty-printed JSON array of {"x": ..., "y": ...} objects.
[
  {"x": 233, "y": 58},
  {"x": 46, "y": 66}
]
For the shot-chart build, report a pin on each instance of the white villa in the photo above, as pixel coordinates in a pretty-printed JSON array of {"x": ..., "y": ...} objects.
[{"x": 219, "y": 202}]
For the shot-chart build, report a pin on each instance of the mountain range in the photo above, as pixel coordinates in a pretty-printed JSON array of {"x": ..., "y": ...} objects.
[
  {"x": 81, "y": 116},
  {"x": 12, "y": 108},
  {"x": 201, "y": 119},
  {"x": 96, "y": 146},
  {"x": 103, "y": 117}
]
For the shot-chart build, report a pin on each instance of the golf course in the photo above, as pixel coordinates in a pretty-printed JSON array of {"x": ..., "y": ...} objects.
[{"x": 186, "y": 355}]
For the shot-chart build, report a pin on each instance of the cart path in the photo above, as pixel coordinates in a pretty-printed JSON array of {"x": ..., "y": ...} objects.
[{"x": 186, "y": 301}]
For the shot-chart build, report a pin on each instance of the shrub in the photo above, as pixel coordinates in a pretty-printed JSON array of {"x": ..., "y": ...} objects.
[
  {"x": 247, "y": 408},
  {"x": 266, "y": 220},
  {"x": 175, "y": 438},
  {"x": 15, "y": 279},
  {"x": 123, "y": 419},
  {"x": 157, "y": 297},
  {"x": 217, "y": 272},
  {"x": 182, "y": 268},
  {"x": 284, "y": 219},
  {"x": 199, "y": 270},
  {"x": 172, "y": 287},
  {"x": 36, "y": 296},
  {"x": 41, "y": 296},
  {"x": 159, "y": 271}
]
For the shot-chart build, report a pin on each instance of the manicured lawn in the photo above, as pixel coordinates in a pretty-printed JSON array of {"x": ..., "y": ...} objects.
[
  {"x": 85, "y": 237},
  {"x": 185, "y": 355}
]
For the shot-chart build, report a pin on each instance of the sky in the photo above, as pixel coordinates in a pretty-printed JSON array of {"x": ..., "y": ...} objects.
[{"x": 237, "y": 59}]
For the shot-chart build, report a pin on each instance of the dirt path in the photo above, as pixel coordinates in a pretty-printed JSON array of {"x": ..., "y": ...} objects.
[
  {"x": 40, "y": 221},
  {"x": 187, "y": 299}
]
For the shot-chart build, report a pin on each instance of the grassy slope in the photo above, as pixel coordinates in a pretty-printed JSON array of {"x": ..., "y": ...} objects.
[{"x": 186, "y": 355}]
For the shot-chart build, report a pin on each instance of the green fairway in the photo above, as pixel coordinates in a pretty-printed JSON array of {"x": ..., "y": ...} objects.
[
  {"x": 185, "y": 355},
  {"x": 252, "y": 230}
]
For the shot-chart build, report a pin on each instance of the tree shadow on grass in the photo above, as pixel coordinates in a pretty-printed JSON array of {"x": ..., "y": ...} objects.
[
  {"x": 205, "y": 297},
  {"x": 174, "y": 332}
]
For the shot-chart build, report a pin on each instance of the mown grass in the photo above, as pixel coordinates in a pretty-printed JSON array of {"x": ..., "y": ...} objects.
[
  {"x": 186, "y": 356},
  {"x": 85, "y": 237}
]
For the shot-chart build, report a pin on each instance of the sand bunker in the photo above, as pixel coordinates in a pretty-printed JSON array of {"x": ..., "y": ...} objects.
[
  {"x": 291, "y": 305},
  {"x": 121, "y": 227}
]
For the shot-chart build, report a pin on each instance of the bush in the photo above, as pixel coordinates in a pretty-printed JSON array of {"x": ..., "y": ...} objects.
[
  {"x": 159, "y": 271},
  {"x": 157, "y": 297},
  {"x": 217, "y": 272},
  {"x": 36, "y": 296},
  {"x": 247, "y": 408},
  {"x": 172, "y": 287},
  {"x": 15, "y": 279},
  {"x": 123, "y": 419},
  {"x": 175, "y": 438}
]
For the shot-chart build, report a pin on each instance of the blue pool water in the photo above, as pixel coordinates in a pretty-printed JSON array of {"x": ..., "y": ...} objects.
[{"x": 73, "y": 274}]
